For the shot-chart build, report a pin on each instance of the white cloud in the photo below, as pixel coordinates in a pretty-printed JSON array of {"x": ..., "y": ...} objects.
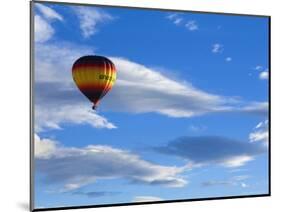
[
  {"x": 217, "y": 48},
  {"x": 260, "y": 133},
  {"x": 52, "y": 116},
  {"x": 263, "y": 75},
  {"x": 259, "y": 125},
  {"x": 83, "y": 166},
  {"x": 228, "y": 59},
  {"x": 48, "y": 12},
  {"x": 259, "y": 136},
  {"x": 89, "y": 19},
  {"x": 255, "y": 108},
  {"x": 237, "y": 161},
  {"x": 43, "y": 30},
  {"x": 140, "y": 89},
  {"x": 53, "y": 62},
  {"x": 146, "y": 199},
  {"x": 192, "y": 25},
  {"x": 44, "y": 148}
]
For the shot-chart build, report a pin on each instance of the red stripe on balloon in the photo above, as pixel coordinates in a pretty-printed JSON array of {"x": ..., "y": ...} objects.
[{"x": 89, "y": 87}]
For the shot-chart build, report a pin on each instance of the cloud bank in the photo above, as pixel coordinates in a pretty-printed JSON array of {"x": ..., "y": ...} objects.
[
  {"x": 82, "y": 166},
  {"x": 206, "y": 150}
]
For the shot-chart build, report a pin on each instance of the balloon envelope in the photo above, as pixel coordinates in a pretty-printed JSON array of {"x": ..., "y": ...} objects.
[{"x": 94, "y": 76}]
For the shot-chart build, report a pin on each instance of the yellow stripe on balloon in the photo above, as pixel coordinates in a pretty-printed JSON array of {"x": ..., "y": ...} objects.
[{"x": 83, "y": 75}]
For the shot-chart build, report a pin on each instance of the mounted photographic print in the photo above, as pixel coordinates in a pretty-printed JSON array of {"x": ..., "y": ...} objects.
[{"x": 136, "y": 105}]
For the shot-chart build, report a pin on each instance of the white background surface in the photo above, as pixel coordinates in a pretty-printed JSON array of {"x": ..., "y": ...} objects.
[{"x": 14, "y": 108}]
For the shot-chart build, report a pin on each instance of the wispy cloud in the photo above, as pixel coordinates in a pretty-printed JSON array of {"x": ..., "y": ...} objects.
[
  {"x": 254, "y": 108},
  {"x": 178, "y": 19},
  {"x": 191, "y": 25},
  {"x": 90, "y": 18},
  {"x": 217, "y": 48},
  {"x": 237, "y": 161},
  {"x": 260, "y": 133},
  {"x": 205, "y": 150},
  {"x": 48, "y": 12},
  {"x": 85, "y": 165}
]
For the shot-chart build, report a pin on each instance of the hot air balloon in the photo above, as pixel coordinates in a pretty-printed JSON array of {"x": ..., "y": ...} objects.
[{"x": 94, "y": 76}]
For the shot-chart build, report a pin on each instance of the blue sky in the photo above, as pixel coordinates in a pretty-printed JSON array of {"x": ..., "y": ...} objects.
[{"x": 186, "y": 119}]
